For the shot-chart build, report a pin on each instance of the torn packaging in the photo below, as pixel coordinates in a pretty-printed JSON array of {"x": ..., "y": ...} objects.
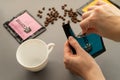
[{"x": 92, "y": 43}]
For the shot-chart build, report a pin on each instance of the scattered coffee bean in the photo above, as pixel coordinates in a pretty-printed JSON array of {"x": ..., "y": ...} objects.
[
  {"x": 40, "y": 16},
  {"x": 53, "y": 15},
  {"x": 43, "y": 8},
  {"x": 78, "y": 20},
  {"x": 65, "y": 5},
  {"x": 52, "y": 22},
  {"x": 68, "y": 21},
  {"x": 48, "y": 14},
  {"x": 49, "y": 9},
  {"x": 39, "y": 11},
  {"x": 63, "y": 23}
]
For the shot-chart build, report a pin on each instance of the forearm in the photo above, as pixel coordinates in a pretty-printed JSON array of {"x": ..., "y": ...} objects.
[
  {"x": 94, "y": 74},
  {"x": 110, "y": 27},
  {"x": 115, "y": 28},
  {"x": 117, "y": 37}
]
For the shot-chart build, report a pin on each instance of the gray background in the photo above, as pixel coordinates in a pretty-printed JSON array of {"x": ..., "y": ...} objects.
[{"x": 11, "y": 70}]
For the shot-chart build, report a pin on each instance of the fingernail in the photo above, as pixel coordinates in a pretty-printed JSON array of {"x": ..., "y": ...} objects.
[{"x": 70, "y": 38}]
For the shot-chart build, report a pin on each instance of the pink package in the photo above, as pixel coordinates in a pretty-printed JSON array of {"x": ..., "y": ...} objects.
[{"x": 25, "y": 20}]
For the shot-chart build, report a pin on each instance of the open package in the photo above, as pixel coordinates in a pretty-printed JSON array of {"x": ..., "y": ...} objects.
[
  {"x": 90, "y": 3},
  {"x": 23, "y": 27},
  {"x": 92, "y": 43}
]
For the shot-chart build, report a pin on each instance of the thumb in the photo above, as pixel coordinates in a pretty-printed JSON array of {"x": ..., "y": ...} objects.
[
  {"x": 92, "y": 30},
  {"x": 75, "y": 45}
]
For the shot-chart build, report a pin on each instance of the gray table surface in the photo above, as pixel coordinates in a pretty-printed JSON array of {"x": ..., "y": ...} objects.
[{"x": 55, "y": 70}]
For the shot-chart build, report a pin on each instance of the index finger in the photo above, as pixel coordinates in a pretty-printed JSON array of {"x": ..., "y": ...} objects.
[
  {"x": 67, "y": 50},
  {"x": 100, "y": 2}
]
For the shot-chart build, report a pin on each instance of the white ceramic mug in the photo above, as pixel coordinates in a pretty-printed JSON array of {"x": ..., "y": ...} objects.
[{"x": 33, "y": 54}]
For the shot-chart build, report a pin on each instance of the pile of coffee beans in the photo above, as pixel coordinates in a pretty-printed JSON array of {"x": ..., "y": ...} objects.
[{"x": 53, "y": 15}]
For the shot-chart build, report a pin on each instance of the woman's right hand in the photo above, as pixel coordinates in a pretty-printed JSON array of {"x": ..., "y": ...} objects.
[{"x": 102, "y": 19}]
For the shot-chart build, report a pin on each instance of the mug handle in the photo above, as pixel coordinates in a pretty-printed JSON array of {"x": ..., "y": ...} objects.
[{"x": 50, "y": 47}]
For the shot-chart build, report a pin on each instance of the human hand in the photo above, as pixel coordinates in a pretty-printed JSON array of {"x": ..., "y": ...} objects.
[
  {"x": 102, "y": 19},
  {"x": 81, "y": 64}
]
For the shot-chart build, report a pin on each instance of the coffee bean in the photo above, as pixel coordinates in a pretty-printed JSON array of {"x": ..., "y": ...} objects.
[
  {"x": 65, "y": 5},
  {"x": 39, "y": 11},
  {"x": 48, "y": 14},
  {"x": 60, "y": 16},
  {"x": 78, "y": 20},
  {"x": 49, "y": 9},
  {"x": 69, "y": 21},
  {"x": 63, "y": 23},
  {"x": 40, "y": 16},
  {"x": 52, "y": 22},
  {"x": 64, "y": 19},
  {"x": 43, "y": 8},
  {"x": 46, "y": 25}
]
